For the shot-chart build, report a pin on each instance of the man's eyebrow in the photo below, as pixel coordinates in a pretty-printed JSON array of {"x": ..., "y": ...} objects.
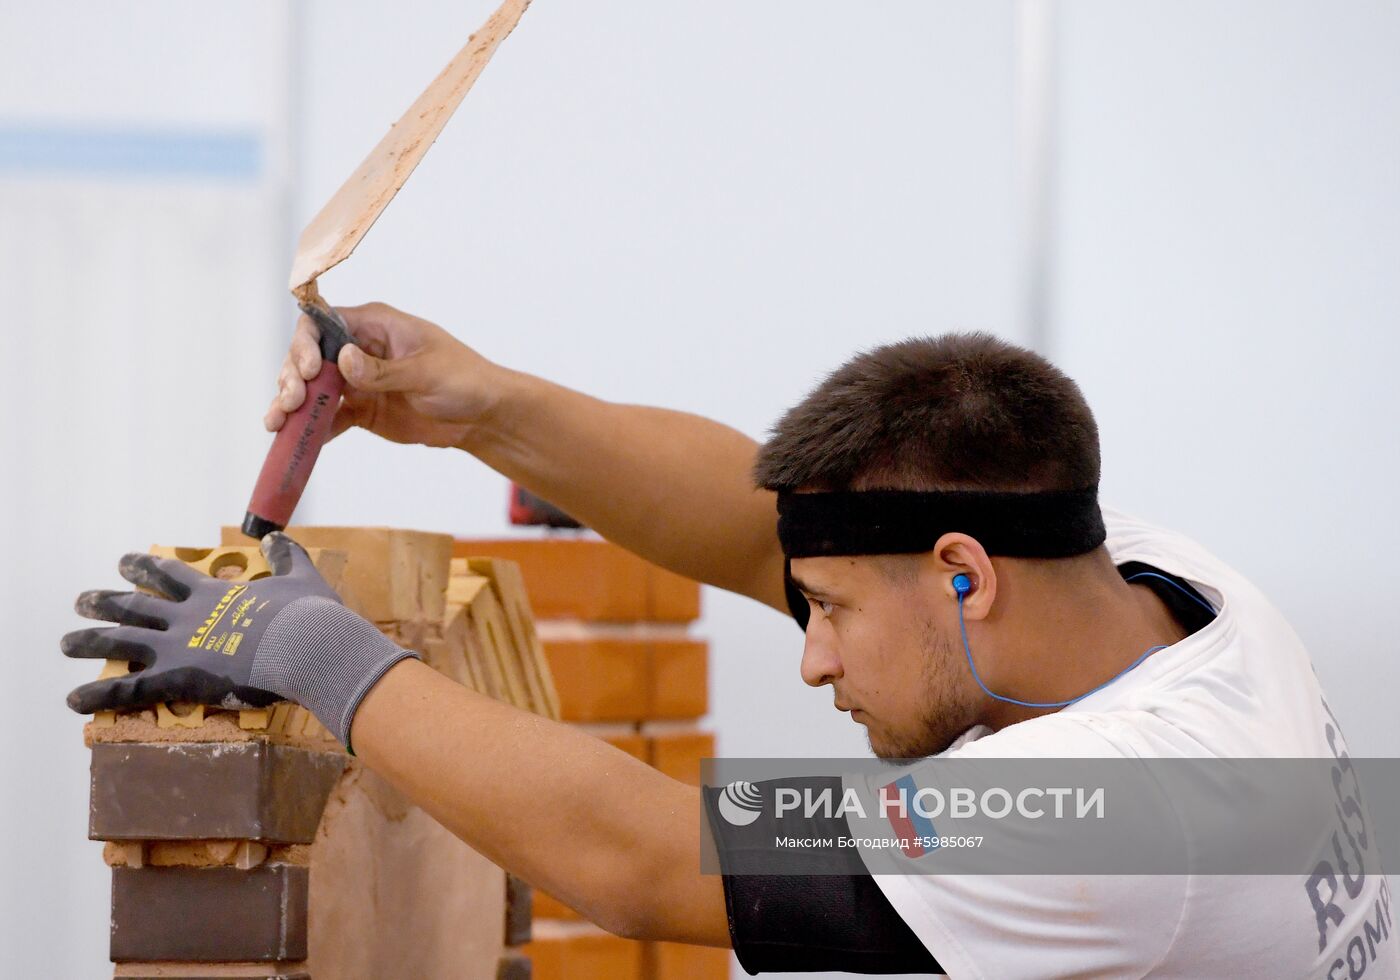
[{"x": 805, "y": 588}]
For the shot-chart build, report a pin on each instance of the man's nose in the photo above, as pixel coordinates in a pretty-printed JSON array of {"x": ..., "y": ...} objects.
[{"x": 820, "y": 664}]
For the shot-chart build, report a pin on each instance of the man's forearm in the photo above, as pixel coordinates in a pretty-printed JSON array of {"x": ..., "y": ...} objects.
[
  {"x": 672, "y": 487},
  {"x": 613, "y": 838}
]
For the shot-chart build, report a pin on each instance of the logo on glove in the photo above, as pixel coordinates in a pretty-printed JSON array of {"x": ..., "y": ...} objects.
[{"x": 217, "y": 613}]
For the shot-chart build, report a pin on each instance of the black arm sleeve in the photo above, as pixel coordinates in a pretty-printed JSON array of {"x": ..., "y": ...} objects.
[{"x": 809, "y": 923}]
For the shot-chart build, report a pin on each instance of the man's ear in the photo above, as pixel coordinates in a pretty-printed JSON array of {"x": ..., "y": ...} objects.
[{"x": 958, "y": 554}]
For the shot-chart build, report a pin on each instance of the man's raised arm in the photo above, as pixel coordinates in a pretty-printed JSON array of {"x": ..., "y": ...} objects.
[{"x": 672, "y": 487}]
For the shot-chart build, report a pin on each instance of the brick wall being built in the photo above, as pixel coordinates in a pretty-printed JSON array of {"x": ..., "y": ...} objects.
[{"x": 247, "y": 844}]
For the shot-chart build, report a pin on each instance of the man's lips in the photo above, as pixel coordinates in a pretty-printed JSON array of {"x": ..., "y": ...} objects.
[{"x": 856, "y": 713}]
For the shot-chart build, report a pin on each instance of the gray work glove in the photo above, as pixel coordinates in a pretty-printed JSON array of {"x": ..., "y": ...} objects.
[{"x": 231, "y": 644}]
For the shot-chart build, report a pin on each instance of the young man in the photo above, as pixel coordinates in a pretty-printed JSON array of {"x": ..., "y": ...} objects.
[{"x": 938, "y": 536}]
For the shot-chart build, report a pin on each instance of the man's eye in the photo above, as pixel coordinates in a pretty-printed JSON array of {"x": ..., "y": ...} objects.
[{"x": 825, "y": 607}]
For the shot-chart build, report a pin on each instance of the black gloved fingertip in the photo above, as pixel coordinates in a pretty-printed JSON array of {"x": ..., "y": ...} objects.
[
  {"x": 79, "y": 702},
  {"x": 269, "y": 544},
  {"x": 89, "y": 603}
]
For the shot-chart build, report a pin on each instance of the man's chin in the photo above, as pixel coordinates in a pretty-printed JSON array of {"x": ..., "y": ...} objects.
[
  {"x": 887, "y": 754},
  {"x": 881, "y": 747},
  {"x": 896, "y": 750},
  {"x": 878, "y": 751}
]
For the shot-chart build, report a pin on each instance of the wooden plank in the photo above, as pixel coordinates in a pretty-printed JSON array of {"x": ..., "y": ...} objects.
[
  {"x": 479, "y": 644},
  {"x": 509, "y": 586},
  {"x": 486, "y": 610}
]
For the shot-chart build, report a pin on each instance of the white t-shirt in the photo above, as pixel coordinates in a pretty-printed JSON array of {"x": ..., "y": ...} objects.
[{"x": 1242, "y": 687}]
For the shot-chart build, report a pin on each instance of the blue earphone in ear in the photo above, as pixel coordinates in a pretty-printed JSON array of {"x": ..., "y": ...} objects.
[{"x": 962, "y": 585}]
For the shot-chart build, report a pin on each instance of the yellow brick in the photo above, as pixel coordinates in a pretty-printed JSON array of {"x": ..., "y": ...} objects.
[
  {"x": 189, "y": 715},
  {"x": 395, "y": 575}
]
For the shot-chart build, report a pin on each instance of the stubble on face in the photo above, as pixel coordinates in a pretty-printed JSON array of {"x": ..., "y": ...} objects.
[{"x": 947, "y": 709}]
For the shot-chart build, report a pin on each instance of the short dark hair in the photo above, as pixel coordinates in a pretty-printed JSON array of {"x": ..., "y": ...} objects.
[{"x": 954, "y": 412}]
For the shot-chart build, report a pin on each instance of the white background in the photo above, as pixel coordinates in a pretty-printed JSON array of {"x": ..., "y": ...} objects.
[{"x": 704, "y": 206}]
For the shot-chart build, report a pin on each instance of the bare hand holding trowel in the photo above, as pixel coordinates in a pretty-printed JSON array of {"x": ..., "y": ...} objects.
[
  {"x": 330, "y": 237},
  {"x": 408, "y": 380}
]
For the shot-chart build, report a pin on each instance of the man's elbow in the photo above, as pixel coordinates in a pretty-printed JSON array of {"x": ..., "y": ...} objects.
[
  {"x": 630, "y": 904},
  {"x": 629, "y": 922},
  {"x": 640, "y": 901}
]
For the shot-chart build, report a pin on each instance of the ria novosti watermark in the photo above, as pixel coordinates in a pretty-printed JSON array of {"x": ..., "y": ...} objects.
[
  {"x": 909, "y": 809},
  {"x": 1308, "y": 817},
  {"x": 902, "y": 802}
]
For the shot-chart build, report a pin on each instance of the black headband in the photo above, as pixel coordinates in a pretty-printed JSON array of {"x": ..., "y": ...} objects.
[{"x": 1043, "y": 524}]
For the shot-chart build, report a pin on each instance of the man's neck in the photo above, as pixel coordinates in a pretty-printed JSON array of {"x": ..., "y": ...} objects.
[{"x": 1080, "y": 635}]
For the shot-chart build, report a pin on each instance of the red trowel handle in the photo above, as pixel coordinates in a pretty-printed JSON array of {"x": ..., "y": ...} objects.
[
  {"x": 298, "y": 443},
  {"x": 293, "y": 454}
]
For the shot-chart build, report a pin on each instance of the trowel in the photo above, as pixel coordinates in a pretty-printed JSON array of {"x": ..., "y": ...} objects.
[{"x": 330, "y": 238}]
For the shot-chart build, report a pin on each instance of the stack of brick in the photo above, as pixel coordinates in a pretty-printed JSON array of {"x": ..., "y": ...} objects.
[
  {"x": 247, "y": 844},
  {"x": 627, "y": 668}
]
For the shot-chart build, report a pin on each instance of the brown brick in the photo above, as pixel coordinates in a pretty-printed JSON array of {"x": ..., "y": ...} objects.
[
  {"x": 209, "y": 914},
  {"x": 607, "y": 678},
  {"x": 681, "y": 961},
  {"x": 600, "y": 679},
  {"x": 671, "y": 597},
  {"x": 581, "y": 951},
  {"x": 592, "y": 580},
  {"x": 631, "y": 743},
  {"x": 253, "y": 790},
  {"x": 575, "y": 578},
  {"x": 245, "y": 790},
  {"x": 678, "y": 754},
  {"x": 678, "y": 686}
]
